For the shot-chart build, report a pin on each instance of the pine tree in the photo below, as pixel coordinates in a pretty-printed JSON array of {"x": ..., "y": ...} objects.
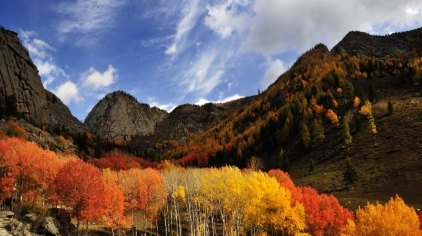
[
  {"x": 390, "y": 108},
  {"x": 317, "y": 130},
  {"x": 350, "y": 175},
  {"x": 311, "y": 166},
  {"x": 306, "y": 136},
  {"x": 284, "y": 160},
  {"x": 346, "y": 130}
]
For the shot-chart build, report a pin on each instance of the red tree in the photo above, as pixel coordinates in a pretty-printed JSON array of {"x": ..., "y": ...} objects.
[
  {"x": 80, "y": 186},
  {"x": 26, "y": 169},
  {"x": 324, "y": 214}
]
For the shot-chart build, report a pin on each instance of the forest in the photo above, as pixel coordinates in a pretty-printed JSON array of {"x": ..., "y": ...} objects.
[{"x": 120, "y": 194}]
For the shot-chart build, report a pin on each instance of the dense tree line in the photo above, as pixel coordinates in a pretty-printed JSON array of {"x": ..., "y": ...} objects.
[{"x": 177, "y": 201}]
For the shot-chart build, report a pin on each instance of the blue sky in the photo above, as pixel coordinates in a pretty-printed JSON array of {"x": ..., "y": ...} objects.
[{"x": 167, "y": 53}]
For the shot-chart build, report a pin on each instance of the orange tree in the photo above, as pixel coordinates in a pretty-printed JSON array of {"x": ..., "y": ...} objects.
[
  {"x": 80, "y": 187},
  {"x": 393, "y": 218}
]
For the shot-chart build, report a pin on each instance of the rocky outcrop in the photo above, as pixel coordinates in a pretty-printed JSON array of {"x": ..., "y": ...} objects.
[
  {"x": 22, "y": 93},
  {"x": 359, "y": 43},
  {"x": 9, "y": 226},
  {"x": 188, "y": 119},
  {"x": 120, "y": 116}
]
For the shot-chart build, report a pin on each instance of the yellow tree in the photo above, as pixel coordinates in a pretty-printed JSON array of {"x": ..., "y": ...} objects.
[
  {"x": 270, "y": 206},
  {"x": 366, "y": 110},
  {"x": 393, "y": 218}
]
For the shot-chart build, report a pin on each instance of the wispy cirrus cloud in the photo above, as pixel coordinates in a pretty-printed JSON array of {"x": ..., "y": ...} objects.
[
  {"x": 85, "y": 17},
  {"x": 188, "y": 19}
]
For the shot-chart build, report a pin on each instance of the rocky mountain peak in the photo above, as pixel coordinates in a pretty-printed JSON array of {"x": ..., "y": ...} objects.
[
  {"x": 120, "y": 116},
  {"x": 360, "y": 43}
]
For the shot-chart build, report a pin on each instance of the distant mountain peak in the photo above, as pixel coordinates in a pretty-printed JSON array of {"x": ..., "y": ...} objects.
[
  {"x": 119, "y": 116},
  {"x": 361, "y": 43}
]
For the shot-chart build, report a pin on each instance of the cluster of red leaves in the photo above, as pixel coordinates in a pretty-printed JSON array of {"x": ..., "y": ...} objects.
[
  {"x": 26, "y": 169},
  {"x": 324, "y": 214},
  {"x": 420, "y": 220},
  {"x": 80, "y": 186},
  {"x": 121, "y": 161}
]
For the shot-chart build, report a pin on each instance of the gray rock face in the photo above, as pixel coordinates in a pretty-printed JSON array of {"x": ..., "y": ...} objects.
[
  {"x": 22, "y": 93},
  {"x": 119, "y": 116},
  {"x": 21, "y": 90}
]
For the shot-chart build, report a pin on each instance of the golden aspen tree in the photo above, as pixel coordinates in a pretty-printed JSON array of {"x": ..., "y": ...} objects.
[{"x": 390, "y": 219}]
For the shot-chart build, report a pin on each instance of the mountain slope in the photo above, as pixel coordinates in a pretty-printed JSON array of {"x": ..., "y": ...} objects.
[{"x": 296, "y": 124}]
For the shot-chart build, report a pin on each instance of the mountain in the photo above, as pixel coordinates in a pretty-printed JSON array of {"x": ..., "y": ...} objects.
[
  {"x": 355, "y": 107},
  {"x": 359, "y": 43},
  {"x": 120, "y": 116},
  {"x": 22, "y": 93},
  {"x": 298, "y": 123}
]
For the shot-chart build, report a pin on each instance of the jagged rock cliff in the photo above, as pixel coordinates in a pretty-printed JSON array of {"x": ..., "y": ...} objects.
[
  {"x": 120, "y": 116},
  {"x": 22, "y": 93}
]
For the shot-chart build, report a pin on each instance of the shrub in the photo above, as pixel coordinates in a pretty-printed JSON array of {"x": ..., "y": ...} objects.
[{"x": 16, "y": 129}]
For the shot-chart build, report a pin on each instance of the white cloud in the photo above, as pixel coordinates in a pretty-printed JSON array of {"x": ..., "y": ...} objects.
[
  {"x": 281, "y": 26},
  {"x": 94, "y": 79},
  {"x": 166, "y": 106},
  {"x": 40, "y": 52},
  {"x": 189, "y": 16},
  {"x": 224, "y": 18},
  {"x": 274, "y": 69},
  {"x": 86, "y": 16},
  {"x": 203, "y": 101},
  {"x": 68, "y": 92}
]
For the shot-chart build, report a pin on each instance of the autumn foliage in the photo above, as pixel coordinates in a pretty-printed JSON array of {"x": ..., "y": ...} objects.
[
  {"x": 80, "y": 186},
  {"x": 225, "y": 201},
  {"x": 324, "y": 214},
  {"x": 121, "y": 161},
  {"x": 392, "y": 218},
  {"x": 27, "y": 171}
]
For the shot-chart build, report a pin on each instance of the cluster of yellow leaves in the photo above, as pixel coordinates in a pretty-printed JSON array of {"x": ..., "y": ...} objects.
[
  {"x": 332, "y": 116},
  {"x": 356, "y": 102},
  {"x": 393, "y": 218},
  {"x": 366, "y": 110},
  {"x": 270, "y": 206}
]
